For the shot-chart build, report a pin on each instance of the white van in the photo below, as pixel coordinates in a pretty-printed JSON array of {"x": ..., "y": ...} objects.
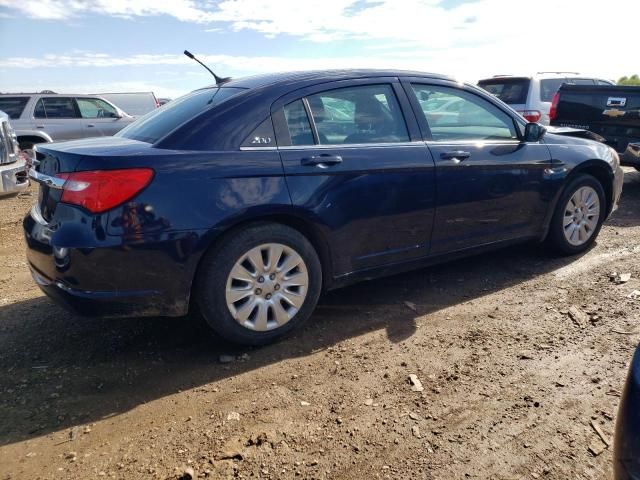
[{"x": 135, "y": 104}]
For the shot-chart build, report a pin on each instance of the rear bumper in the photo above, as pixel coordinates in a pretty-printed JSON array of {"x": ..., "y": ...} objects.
[
  {"x": 13, "y": 177},
  {"x": 94, "y": 274},
  {"x": 141, "y": 303}
]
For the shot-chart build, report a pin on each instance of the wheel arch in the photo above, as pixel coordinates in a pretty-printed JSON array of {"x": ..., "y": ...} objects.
[
  {"x": 33, "y": 138},
  {"x": 304, "y": 226},
  {"x": 601, "y": 171}
]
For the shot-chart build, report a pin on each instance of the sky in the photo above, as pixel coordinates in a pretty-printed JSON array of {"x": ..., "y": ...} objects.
[{"x": 99, "y": 46}]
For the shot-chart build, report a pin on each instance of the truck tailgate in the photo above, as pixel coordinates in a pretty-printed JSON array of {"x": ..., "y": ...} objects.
[{"x": 610, "y": 111}]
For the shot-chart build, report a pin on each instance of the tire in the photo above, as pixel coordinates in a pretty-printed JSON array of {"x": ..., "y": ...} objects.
[
  {"x": 578, "y": 235},
  {"x": 256, "y": 305}
]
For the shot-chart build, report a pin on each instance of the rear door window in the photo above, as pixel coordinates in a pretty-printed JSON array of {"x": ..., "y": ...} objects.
[
  {"x": 513, "y": 91},
  {"x": 13, "y": 106},
  {"x": 355, "y": 115},
  {"x": 161, "y": 121},
  {"x": 56, "y": 107},
  {"x": 298, "y": 123}
]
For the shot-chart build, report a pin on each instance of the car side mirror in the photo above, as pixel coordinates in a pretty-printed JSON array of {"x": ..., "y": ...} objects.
[{"x": 533, "y": 132}]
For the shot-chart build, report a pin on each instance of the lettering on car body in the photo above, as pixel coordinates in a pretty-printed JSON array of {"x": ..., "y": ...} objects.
[{"x": 261, "y": 141}]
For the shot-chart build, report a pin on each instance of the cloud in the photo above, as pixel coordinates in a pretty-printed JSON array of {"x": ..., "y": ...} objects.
[{"x": 470, "y": 40}]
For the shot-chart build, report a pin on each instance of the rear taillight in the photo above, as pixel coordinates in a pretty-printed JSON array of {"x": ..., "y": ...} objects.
[
  {"x": 531, "y": 115},
  {"x": 102, "y": 190},
  {"x": 553, "y": 111}
]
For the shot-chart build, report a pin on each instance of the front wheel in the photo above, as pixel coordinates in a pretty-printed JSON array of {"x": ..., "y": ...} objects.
[
  {"x": 578, "y": 216},
  {"x": 259, "y": 284}
]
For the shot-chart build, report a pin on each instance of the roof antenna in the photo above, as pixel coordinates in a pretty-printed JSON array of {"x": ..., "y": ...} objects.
[{"x": 219, "y": 81}]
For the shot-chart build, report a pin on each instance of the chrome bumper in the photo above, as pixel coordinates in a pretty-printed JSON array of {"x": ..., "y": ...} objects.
[{"x": 13, "y": 177}]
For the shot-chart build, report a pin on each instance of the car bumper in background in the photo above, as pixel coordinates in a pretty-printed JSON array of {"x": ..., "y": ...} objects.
[
  {"x": 631, "y": 156},
  {"x": 627, "y": 441},
  {"x": 13, "y": 177}
]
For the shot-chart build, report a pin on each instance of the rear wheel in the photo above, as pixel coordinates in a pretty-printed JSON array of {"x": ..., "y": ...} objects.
[
  {"x": 578, "y": 217},
  {"x": 259, "y": 284}
]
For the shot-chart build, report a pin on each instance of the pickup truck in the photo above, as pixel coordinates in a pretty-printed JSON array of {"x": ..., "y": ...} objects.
[
  {"x": 613, "y": 112},
  {"x": 13, "y": 166}
]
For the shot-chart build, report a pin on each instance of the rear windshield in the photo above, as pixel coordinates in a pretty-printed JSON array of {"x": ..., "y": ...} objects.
[
  {"x": 550, "y": 86},
  {"x": 13, "y": 106},
  {"x": 510, "y": 90},
  {"x": 162, "y": 121}
]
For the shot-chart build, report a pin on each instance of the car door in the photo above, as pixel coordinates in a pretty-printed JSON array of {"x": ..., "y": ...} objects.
[
  {"x": 492, "y": 186},
  {"x": 355, "y": 164},
  {"x": 102, "y": 118},
  {"x": 59, "y": 117}
]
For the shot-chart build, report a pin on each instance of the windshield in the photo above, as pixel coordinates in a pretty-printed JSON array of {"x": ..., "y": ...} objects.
[
  {"x": 510, "y": 90},
  {"x": 157, "y": 124}
]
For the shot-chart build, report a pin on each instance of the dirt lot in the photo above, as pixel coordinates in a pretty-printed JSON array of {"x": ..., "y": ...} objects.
[{"x": 511, "y": 382}]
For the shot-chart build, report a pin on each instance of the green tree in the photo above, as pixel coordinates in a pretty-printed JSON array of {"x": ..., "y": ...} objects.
[{"x": 632, "y": 80}]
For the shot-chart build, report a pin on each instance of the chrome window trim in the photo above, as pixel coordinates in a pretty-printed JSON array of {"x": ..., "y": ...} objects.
[
  {"x": 333, "y": 146},
  {"x": 352, "y": 145},
  {"x": 513, "y": 141},
  {"x": 257, "y": 149},
  {"x": 48, "y": 180}
]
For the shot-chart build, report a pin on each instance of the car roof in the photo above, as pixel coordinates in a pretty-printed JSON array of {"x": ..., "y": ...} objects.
[{"x": 313, "y": 76}]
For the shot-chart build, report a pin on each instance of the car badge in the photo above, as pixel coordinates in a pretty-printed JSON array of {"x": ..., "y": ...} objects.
[{"x": 614, "y": 112}]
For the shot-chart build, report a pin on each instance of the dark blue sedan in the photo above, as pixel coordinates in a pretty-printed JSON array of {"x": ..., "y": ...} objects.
[{"x": 249, "y": 198}]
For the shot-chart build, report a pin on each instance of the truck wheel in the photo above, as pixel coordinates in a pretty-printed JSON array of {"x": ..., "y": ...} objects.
[
  {"x": 578, "y": 216},
  {"x": 259, "y": 284}
]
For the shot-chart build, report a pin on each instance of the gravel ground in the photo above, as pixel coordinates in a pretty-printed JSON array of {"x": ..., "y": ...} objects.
[{"x": 518, "y": 353}]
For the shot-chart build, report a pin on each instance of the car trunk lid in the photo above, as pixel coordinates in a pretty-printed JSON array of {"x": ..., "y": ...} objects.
[{"x": 65, "y": 157}]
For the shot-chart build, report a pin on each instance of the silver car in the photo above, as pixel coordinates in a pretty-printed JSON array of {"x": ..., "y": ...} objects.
[
  {"x": 46, "y": 117},
  {"x": 13, "y": 166},
  {"x": 531, "y": 96}
]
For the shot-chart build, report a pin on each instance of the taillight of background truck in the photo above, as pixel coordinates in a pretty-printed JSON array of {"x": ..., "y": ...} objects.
[{"x": 553, "y": 112}]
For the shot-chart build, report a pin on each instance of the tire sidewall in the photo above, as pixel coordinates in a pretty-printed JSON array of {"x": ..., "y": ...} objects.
[
  {"x": 217, "y": 265},
  {"x": 557, "y": 230}
]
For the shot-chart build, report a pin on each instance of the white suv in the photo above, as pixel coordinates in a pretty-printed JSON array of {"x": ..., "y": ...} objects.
[{"x": 531, "y": 96}]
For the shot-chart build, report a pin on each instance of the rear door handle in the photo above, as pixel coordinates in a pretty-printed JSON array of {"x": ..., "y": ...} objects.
[
  {"x": 39, "y": 126},
  {"x": 90, "y": 125},
  {"x": 455, "y": 155},
  {"x": 323, "y": 160}
]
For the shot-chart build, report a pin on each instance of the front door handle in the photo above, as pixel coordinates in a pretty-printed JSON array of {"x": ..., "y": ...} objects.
[
  {"x": 90, "y": 125},
  {"x": 323, "y": 160},
  {"x": 39, "y": 126},
  {"x": 455, "y": 155}
]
